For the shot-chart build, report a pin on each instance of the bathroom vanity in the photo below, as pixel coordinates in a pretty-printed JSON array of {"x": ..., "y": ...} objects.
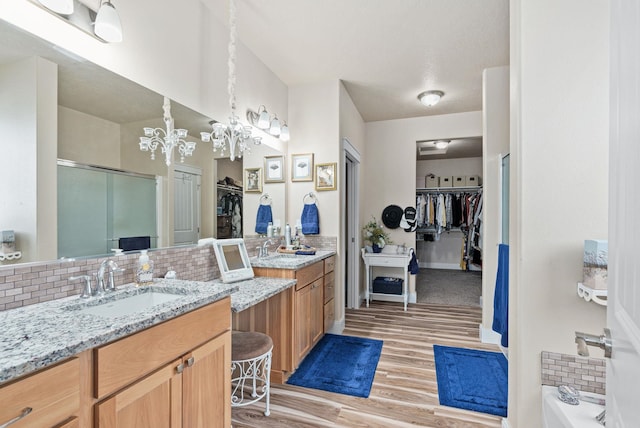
[{"x": 62, "y": 365}]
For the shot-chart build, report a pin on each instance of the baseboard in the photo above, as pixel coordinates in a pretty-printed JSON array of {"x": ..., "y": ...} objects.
[
  {"x": 450, "y": 266},
  {"x": 489, "y": 336},
  {"x": 505, "y": 423}
]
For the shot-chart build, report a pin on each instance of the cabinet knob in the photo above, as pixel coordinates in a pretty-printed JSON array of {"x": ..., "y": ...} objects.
[
  {"x": 190, "y": 361},
  {"x": 180, "y": 368},
  {"x": 22, "y": 414}
]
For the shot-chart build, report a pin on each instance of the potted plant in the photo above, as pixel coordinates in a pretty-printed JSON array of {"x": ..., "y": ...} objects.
[{"x": 375, "y": 235}]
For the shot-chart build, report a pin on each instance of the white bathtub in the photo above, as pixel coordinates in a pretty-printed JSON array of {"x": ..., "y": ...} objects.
[{"x": 556, "y": 414}]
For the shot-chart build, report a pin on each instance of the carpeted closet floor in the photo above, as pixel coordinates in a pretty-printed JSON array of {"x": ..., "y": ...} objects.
[{"x": 449, "y": 287}]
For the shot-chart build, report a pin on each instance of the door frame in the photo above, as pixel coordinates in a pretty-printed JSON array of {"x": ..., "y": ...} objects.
[{"x": 351, "y": 207}]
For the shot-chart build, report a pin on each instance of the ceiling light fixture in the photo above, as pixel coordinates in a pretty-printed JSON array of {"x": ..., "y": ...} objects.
[
  {"x": 271, "y": 125},
  {"x": 107, "y": 25},
  {"x": 63, "y": 7},
  {"x": 169, "y": 139},
  {"x": 430, "y": 98},
  {"x": 235, "y": 134},
  {"x": 441, "y": 144}
]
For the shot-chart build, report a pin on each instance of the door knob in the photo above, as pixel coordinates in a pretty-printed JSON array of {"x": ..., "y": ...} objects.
[{"x": 603, "y": 342}]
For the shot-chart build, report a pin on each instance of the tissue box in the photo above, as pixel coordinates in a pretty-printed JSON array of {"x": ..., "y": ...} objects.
[
  {"x": 387, "y": 285},
  {"x": 8, "y": 241},
  {"x": 595, "y": 268}
]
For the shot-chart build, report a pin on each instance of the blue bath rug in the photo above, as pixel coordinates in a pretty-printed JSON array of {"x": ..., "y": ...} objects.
[
  {"x": 472, "y": 379},
  {"x": 342, "y": 364}
]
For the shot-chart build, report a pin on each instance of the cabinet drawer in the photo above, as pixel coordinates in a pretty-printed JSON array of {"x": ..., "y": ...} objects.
[
  {"x": 329, "y": 315},
  {"x": 53, "y": 394},
  {"x": 126, "y": 360},
  {"x": 329, "y": 286},
  {"x": 307, "y": 275},
  {"x": 329, "y": 264}
]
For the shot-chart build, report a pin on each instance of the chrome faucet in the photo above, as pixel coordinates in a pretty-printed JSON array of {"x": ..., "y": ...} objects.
[
  {"x": 100, "y": 285},
  {"x": 585, "y": 339},
  {"x": 264, "y": 250}
]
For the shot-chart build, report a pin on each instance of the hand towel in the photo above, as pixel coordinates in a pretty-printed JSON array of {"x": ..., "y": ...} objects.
[
  {"x": 263, "y": 218},
  {"x": 501, "y": 296},
  {"x": 310, "y": 220},
  {"x": 414, "y": 268}
]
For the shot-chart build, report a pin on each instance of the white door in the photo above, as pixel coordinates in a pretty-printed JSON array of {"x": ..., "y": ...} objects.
[
  {"x": 186, "y": 205},
  {"x": 623, "y": 311}
]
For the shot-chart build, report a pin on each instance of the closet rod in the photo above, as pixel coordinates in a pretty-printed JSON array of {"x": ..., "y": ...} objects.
[{"x": 448, "y": 189}]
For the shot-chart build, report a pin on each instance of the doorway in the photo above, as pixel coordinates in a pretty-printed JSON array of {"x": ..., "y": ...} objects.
[
  {"x": 351, "y": 242},
  {"x": 186, "y": 205}
]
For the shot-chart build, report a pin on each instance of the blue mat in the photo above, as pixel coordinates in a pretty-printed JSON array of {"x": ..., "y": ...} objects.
[
  {"x": 471, "y": 379},
  {"x": 342, "y": 364}
]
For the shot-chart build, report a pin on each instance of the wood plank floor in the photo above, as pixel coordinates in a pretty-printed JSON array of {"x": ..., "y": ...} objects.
[{"x": 404, "y": 392}]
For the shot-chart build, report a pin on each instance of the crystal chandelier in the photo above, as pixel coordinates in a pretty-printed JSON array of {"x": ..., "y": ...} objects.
[
  {"x": 169, "y": 138},
  {"x": 234, "y": 134}
]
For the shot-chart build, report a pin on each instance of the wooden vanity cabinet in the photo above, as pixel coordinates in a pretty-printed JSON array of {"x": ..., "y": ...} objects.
[
  {"x": 329, "y": 292},
  {"x": 173, "y": 375},
  {"x": 307, "y": 312},
  {"x": 52, "y": 394}
]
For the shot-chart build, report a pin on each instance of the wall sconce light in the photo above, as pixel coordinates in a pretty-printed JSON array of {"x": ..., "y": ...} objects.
[
  {"x": 107, "y": 25},
  {"x": 271, "y": 125},
  {"x": 430, "y": 98}
]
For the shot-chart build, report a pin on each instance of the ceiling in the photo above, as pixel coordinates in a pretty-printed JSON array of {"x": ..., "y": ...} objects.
[{"x": 384, "y": 51}]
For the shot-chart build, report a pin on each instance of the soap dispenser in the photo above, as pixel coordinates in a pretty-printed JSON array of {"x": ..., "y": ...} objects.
[{"x": 144, "y": 273}]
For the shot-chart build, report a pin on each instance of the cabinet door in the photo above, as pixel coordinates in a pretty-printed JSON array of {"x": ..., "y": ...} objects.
[
  {"x": 207, "y": 385},
  {"x": 301, "y": 324},
  {"x": 316, "y": 319},
  {"x": 153, "y": 402}
]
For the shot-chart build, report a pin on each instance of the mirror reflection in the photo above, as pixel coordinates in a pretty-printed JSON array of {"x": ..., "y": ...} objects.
[{"x": 57, "y": 106}]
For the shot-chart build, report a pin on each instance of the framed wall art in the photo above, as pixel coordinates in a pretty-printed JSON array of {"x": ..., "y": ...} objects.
[
  {"x": 302, "y": 167},
  {"x": 326, "y": 176},
  {"x": 273, "y": 169},
  {"x": 253, "y": 180}
]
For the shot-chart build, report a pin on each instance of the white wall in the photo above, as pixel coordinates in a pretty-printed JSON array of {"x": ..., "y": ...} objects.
[
  {"x": 559, "y": 164},
  {"x": 28, "y": 123},
  {"x": 495, "y": 143}
]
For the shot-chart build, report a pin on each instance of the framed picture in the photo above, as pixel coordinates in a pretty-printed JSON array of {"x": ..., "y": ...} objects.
[
  {"x": 302, "y": 167},
  {"x": 326, "y": 176},
  {"x": 273, "y": 169},
  {"x": 253, "y": 180}
]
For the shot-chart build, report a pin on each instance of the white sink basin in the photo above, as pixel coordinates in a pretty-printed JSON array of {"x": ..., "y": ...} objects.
[{"x": 128, "y": 303}]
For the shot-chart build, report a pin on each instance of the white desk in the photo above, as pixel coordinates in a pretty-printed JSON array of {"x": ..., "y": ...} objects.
[{"x": 387, "y": 260}]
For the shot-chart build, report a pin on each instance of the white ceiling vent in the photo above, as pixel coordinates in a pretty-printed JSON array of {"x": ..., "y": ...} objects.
[{"x": 427, "y": 148}]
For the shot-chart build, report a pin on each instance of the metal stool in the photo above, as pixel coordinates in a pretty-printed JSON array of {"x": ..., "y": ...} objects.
[{"x": 250, "y": 361}]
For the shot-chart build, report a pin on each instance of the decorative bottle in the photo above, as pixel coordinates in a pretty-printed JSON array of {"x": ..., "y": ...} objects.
[
  {"x": 270, "y": 230},
  {"x": 144, "y": 272}
]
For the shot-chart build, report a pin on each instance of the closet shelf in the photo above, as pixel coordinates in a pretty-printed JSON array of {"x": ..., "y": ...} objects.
[
  {"x": 448, "y": 189},
  {"x": 592, "y": 295},
  {"x": 229, "y": 188}
]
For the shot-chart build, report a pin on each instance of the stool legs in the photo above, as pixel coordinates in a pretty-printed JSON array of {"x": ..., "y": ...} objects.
[{"x": 258, "y": 372}]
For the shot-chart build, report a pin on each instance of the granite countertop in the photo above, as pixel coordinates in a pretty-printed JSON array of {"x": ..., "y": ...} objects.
[
  {"x": 253, "y": 291},
  {"x": 35, "y": 336},
  {"x": 290, "y": 261}
]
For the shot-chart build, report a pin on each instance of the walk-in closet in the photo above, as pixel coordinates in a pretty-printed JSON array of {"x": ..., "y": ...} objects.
[{"x": 449, "y": 208}]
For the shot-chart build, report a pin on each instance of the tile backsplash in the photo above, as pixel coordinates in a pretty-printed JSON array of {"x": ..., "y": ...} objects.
[
  {"x": 584, "y": 373},
  {"x": 29, "y": 283}
]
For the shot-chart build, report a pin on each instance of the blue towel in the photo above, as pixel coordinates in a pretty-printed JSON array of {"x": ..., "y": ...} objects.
[
  {"x": 501, "y": 296},
  {"x": 414, "y": 268},
  {"x": 263, "y": 218},
  {"x": 310, "y": 220}
]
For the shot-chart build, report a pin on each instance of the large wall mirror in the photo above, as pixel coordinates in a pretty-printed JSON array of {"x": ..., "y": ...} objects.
[{"x": 55, "y": 105}]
